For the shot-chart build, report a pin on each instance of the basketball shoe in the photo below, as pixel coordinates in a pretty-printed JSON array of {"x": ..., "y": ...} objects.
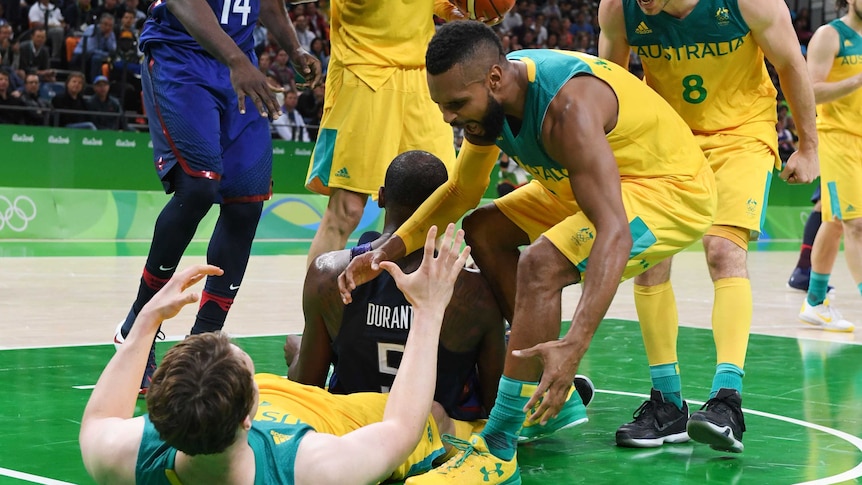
[
  {"x": 656, "y": 422},
  {"x": 151, "y": 360},
  {"x": 573, "y": 413},
  {"x": 824, "y": 316},
  {"x": 472, "y": 464},
  {"x": 719, "y": 423}
]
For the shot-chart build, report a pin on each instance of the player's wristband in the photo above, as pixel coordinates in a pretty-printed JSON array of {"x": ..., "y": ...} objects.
[{"x": 361, "y": 249}]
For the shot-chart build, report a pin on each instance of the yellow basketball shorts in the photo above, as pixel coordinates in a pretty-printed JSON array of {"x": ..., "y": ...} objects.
[
  {"x": 665, "y": 216},
  {"x": 743, "y": 173},
  {"x": 281, "y": 399},
  {"x": 840, "y": 175},
  {"x": 364, "y": 129}
]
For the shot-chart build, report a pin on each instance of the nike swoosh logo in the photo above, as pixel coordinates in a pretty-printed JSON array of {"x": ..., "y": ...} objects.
[
  {"x": 162, "y": 268},
  {"x": 825, "y": 318},
  {"x": 232, "y": 287}
]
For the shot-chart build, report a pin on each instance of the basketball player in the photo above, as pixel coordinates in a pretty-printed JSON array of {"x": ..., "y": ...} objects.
[
  {"x": 200, "y": 67},
  {"x": 705, "y": 57},
  {"x": 835, "y": 67},
  {"x": 199, "y": 426},
  {"x": 609, "y": 158},
  {"x": 376, "y": 106},
  {"x": 365, "y": 340}
]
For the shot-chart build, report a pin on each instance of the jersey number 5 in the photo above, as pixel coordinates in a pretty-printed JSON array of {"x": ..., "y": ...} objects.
[
  {"x": 239, "y": 7},
  {"x": 692, "y": 89},
  {"x": 383, "y": 350}
]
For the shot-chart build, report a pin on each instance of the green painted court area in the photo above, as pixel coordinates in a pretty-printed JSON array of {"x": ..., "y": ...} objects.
[{"x": 802, "y": 402}]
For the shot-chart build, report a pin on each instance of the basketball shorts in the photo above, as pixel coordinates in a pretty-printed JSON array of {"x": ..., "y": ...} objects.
[
  {"x": 840, "y": 175},
  {"x": 195, "y": 123},
  {"x": 743, "y": 173},
  {"x": 665, "y": 216},
  {"x": 282, "y": 399},
  {"x": 364, "y": 129}
]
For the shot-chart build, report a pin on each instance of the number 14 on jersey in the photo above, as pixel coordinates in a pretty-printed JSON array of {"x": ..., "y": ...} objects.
[{"x": 240, "y": 7}]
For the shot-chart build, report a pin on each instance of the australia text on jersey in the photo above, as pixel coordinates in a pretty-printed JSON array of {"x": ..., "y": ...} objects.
[{"x": 690, "y": 51}]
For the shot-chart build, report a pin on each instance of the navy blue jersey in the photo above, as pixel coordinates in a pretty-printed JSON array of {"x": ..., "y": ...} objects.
[
  {"x": 236, "y": 17},
  {"x": 370, "y": 344}
]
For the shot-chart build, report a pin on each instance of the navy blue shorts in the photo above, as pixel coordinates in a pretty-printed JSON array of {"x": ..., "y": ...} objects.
[
  {"x": 195, "y": 123},
  {"x": 815, "y": 197}
]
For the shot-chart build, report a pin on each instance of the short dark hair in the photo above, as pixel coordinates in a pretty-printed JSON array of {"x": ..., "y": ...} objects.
[
  {"x": 458, "y": 42},
  {"x": 411, "y": 178},
  {"x": 840, "y": 4},
  {"x": 200, "y": 395}
]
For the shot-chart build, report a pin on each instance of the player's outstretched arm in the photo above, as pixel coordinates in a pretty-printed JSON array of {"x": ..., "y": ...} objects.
[
  {"x": 109, "y": 436},
  {"x": 771, "y": 28},
  {"x": 613, "y": 44},
  {"x": 369, "y": 454},
  {"x": 274, "y": 17}
]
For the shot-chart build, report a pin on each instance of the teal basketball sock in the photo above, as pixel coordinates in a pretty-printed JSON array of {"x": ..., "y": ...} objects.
[
  {"x": 817, "y": 286},
  {"x": 666, "y": 379},
  {"x": 507, "y": 417},
  {"x": 728, "y": 376}
]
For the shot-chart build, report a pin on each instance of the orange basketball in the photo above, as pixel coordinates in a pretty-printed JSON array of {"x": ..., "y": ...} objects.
[{"x": 484, "y": 9}]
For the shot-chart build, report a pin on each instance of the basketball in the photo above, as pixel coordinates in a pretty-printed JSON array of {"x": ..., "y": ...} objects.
[{"x": 484, "y": 9}]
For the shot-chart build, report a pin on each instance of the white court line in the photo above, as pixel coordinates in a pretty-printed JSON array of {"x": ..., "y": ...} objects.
[
  {"x": 31, "y": 478},
  {"x": 851, "y": 474}
]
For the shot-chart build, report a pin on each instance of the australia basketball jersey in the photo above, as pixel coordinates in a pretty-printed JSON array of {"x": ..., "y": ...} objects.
[
  {"x": 645, "y": 127},
  {"x": 274, "y": 444},
  {"x": 692, "y": 63},
  {"x": 845, "y": 113},
  {"x": 370, "y": 344}
]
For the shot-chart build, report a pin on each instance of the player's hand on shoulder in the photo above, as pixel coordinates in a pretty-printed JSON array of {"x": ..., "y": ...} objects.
[
  {"x": 361, "y": 269},
  {"x": 431, "y": 285},
  {"x": 248, "y": 81}
]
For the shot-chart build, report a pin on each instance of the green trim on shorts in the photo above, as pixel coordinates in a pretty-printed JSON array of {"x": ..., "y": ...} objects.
[
  {"x": 321, "y": 163},
  {"x": 642, "y": 239},
  {"x": 834, "y": 202}
]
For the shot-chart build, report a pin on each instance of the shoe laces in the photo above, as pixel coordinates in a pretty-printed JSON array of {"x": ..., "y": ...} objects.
[
  {"x": 722, "y": 406},
  {"x": 465, "y": 448},
  {"x": 642, "y": 413},
  {"x": 826, "y": 308}
]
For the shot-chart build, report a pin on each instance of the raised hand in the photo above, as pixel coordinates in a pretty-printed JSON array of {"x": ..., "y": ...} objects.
[
  {"x": 431, "y": 285},
  {"x": 173, "y": 296}
]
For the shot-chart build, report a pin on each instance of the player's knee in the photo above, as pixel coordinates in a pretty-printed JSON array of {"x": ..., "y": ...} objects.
[
  {"x": 243, "y": 212},
  {"x": 196, "y": 192},
  {"x": 477, "y": 227},
  {"x": 541, "y": 267},
  {"x": 853, "y": 229},
  {"x": 346, "y": 208}
]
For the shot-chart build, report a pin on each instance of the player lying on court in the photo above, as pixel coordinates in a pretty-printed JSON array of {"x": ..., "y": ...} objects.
[
  {"x": 199, "y": 426},
  {"x": 619, "y": 184}
]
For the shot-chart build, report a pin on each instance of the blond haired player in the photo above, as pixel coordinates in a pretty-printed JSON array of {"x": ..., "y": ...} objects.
[
  {"x": 835, "y": 67},
  {"x": 705, "y": 57}
]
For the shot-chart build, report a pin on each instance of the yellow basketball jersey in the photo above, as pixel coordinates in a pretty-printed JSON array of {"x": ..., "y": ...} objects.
[
  {"x": 649, "y": 139},
  {"x": 708, "y": 67},
  {"x": 370, "y": 36},
  {"x": 845, "y": 113}
]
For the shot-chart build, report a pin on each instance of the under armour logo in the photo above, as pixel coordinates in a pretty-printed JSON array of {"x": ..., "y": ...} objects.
[{"x": 498, "y": 470}]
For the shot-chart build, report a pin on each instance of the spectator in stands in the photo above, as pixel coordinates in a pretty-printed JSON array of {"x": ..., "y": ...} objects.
[
  {"x": 8, "y": 48},
  {"x": 317, "y": 23},
  {"x": 8, "y": 97},
  {"x": 96, "y": 46},
  {"x": 581, "y": 24},
  {"x": 33, "y": 56},
  {"x": 320, "y": 50},
  {"x": 48, "y": 16},
  {"x": 282, "y": 69},
  {"x": 79, "y": 15},
  {"x": 290, "y": 126},
  {"x": 511, "y": 21},
  {"x": 128, "y": 56},
  {"x": 72, "y": 99},
  {"x": 132, "y": 6},
  {"x": 310, "y": 106},
  {"x": 30, "y": 97},
  {"x": 303, "y": 33},
  {"x": 102, "y": 102},
  {"x": 112, "y": 7}
]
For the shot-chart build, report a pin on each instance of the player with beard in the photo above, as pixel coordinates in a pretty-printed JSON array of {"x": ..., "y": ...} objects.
[{"x": 619, "y": 185}]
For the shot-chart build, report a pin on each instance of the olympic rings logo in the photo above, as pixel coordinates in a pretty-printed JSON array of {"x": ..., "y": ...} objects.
[{"x": 18, "y": 213}]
